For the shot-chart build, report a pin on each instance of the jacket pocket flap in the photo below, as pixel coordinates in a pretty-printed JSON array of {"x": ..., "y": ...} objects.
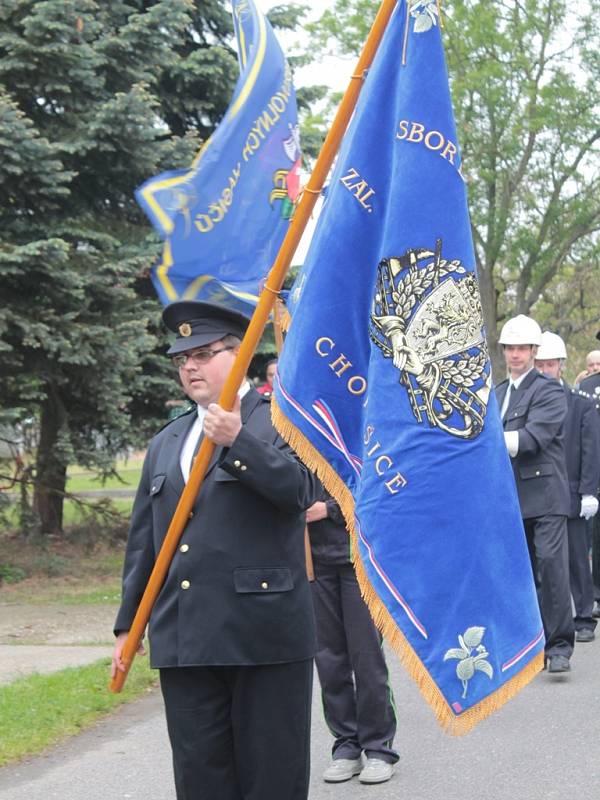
[
  {"x": 535, "y": 471},
  {"x": 157, "y": 484},
  {"x": 222, "y": 475},
  {"x": 261, "y": 581}
]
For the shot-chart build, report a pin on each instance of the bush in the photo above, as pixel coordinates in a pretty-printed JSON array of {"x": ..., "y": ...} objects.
[{"x": 9, "y": 573}]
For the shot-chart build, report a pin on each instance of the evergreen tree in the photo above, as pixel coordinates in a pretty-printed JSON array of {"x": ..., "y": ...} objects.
[{"x": 95, "y": 97}]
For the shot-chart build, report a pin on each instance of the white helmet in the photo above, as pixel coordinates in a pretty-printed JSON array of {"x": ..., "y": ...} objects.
[
  {"x": 552, "y": 346},
  {"x": 521, "y": 330}
]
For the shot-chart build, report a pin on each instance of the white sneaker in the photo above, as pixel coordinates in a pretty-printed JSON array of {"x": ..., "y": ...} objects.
[
  {"x": 376, "y": 771},
  {"x": 342, "y": 769}
]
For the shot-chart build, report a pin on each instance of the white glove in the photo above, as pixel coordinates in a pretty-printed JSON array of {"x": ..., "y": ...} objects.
[
  {"x": 511, "y": 440},
  {"x": 589, "y": 506}
]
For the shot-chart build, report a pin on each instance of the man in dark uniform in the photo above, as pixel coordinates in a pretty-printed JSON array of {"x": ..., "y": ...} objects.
[
  {"x": 591, "y": 385},
  {"x": 357, "y": 698},
  {"x": 582, "y": 445},
  {"x": 232, "y": 630},
  {"x": 533, "y": 409}
]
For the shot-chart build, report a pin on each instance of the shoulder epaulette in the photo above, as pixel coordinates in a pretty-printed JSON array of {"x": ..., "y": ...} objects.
[{"x": 190, "y": 410}]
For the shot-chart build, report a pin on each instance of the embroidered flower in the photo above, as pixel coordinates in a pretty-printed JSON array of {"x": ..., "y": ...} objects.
[{"x": 469, "y": 664}]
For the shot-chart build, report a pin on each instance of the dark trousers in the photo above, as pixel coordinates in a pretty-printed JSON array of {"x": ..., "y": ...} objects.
[
  {"x": 549, "y": 552},
  {"x": 594, "y": 524},
  {"x": 240, "y": 733},
  {"x": 582, "y": 587},
  {"x": 357, "y": 699}
]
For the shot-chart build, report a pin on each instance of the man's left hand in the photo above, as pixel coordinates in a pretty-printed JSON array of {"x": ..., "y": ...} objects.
[{"x": 222, "y": 427}]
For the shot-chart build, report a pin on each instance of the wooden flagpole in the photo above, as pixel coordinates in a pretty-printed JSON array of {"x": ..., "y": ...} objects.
[{"x": 252, "y": 337}]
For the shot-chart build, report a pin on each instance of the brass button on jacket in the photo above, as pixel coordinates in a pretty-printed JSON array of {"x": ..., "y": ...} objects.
[
  {"x": 184, "y": 548},
  {"x": 185, "y": 584}
]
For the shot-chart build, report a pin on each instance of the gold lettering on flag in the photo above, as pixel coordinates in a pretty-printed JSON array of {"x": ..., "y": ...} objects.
[
  {"x": 356, "y": 384},
  {"x": 383, "y": 463},
  {"x": 433, "y": 140},
  {"x": 358, "y": 187}
]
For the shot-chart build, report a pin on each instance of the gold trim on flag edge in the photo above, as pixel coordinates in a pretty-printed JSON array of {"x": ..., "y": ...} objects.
[
  {"x": 230, "y": 114},
  {"x": 449, "y": 721}
]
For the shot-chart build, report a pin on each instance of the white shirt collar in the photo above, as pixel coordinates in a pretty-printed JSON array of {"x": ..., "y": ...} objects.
[
  {"x": 518, "y": 381},
  {"x": 189, "y": 446},
  {"x": 242, "y": 391}
]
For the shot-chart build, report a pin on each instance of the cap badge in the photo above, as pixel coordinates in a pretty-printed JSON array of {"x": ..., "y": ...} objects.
[{"x": 185, "y": 329}]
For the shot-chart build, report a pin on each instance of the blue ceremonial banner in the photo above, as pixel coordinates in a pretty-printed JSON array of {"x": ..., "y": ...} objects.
[
  {"x": 384, "y": 389},
  {"x": 224, "y": 219}
]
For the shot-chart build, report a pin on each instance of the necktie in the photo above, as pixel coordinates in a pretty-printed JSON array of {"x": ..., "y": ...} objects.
[{"x": 508, "y": 398}]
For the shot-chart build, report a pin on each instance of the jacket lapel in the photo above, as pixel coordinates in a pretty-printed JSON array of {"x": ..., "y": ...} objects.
[
  {"x": 179, "y": 431},
  {"x": 501, "y": 394},
  {"x": 249, "y": 402},
  {"x": 520, "y": 393}
]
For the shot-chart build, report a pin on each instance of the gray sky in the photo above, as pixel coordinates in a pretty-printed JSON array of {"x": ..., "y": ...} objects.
[{"x": 333, "y": 71}]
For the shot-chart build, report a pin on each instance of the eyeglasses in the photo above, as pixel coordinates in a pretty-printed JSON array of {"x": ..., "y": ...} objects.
[{"x": 197, "y": 356}]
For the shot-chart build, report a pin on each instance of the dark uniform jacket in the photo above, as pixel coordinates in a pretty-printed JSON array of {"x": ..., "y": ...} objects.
[
  {"x": 591, "y": 385},
  {"x": 537, "y": 410},
  {"x": 582, "y": 444},
  {"x": 329, "y": 539},
  {"x": 242, "y": 552}
]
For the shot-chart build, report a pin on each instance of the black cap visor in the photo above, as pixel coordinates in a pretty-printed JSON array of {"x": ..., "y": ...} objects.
[{"x": 195, "y": 340}]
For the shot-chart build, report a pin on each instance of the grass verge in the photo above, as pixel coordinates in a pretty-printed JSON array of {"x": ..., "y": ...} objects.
[
  {"x": 43, "y": 710},
  {"x": 86, "y": 481},
  {"x": 60, "y": 570}
]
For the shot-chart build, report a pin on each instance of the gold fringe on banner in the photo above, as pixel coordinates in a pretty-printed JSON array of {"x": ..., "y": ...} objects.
[{"x": 450, "y": 722}]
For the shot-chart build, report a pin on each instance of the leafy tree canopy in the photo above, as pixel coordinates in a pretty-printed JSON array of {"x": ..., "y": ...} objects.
[{"x": 524, "y": 79}]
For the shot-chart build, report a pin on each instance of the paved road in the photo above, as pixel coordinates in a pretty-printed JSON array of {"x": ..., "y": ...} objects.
[{"x": 541, "y": 746}]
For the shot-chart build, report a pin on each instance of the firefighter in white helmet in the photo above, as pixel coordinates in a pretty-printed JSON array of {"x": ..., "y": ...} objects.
[
  {"x": 582, "y": 446},
  {"x": 533, "y": 409}
]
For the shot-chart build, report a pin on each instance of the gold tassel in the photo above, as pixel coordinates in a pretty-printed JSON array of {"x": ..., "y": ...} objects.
[{"x": 449, "y": 721}]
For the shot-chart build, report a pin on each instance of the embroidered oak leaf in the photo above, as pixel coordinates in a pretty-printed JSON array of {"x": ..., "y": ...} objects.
[
  {"x": 473, "y": 636},
  {"x": 468, "y": 663}
]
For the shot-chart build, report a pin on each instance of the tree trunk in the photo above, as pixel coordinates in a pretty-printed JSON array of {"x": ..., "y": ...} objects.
[
  {"x": 51, "y": 472},
  {"x": 489, "y": 304}
]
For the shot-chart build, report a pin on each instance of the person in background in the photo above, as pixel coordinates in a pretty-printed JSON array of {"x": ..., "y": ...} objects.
[
  {"x": 592, "y": 366},
  {"x": 533, "y": 408},
  {"x": 270, "y": 370},
  {"x": 357, "y": 699},
  {"x": 592, "y": 362},
  {"x": 582, "y": 446},
  {"x": 591, "y": 385}
]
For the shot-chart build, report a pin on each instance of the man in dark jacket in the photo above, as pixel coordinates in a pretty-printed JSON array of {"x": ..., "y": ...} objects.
[
  {"x": 533, "y": 409},
  {"x": 357, "y": 699},
  {"x": 591, "y": 386},
  {"x": 582, "y": 444},
  {"x": 232, "y": 630}
]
